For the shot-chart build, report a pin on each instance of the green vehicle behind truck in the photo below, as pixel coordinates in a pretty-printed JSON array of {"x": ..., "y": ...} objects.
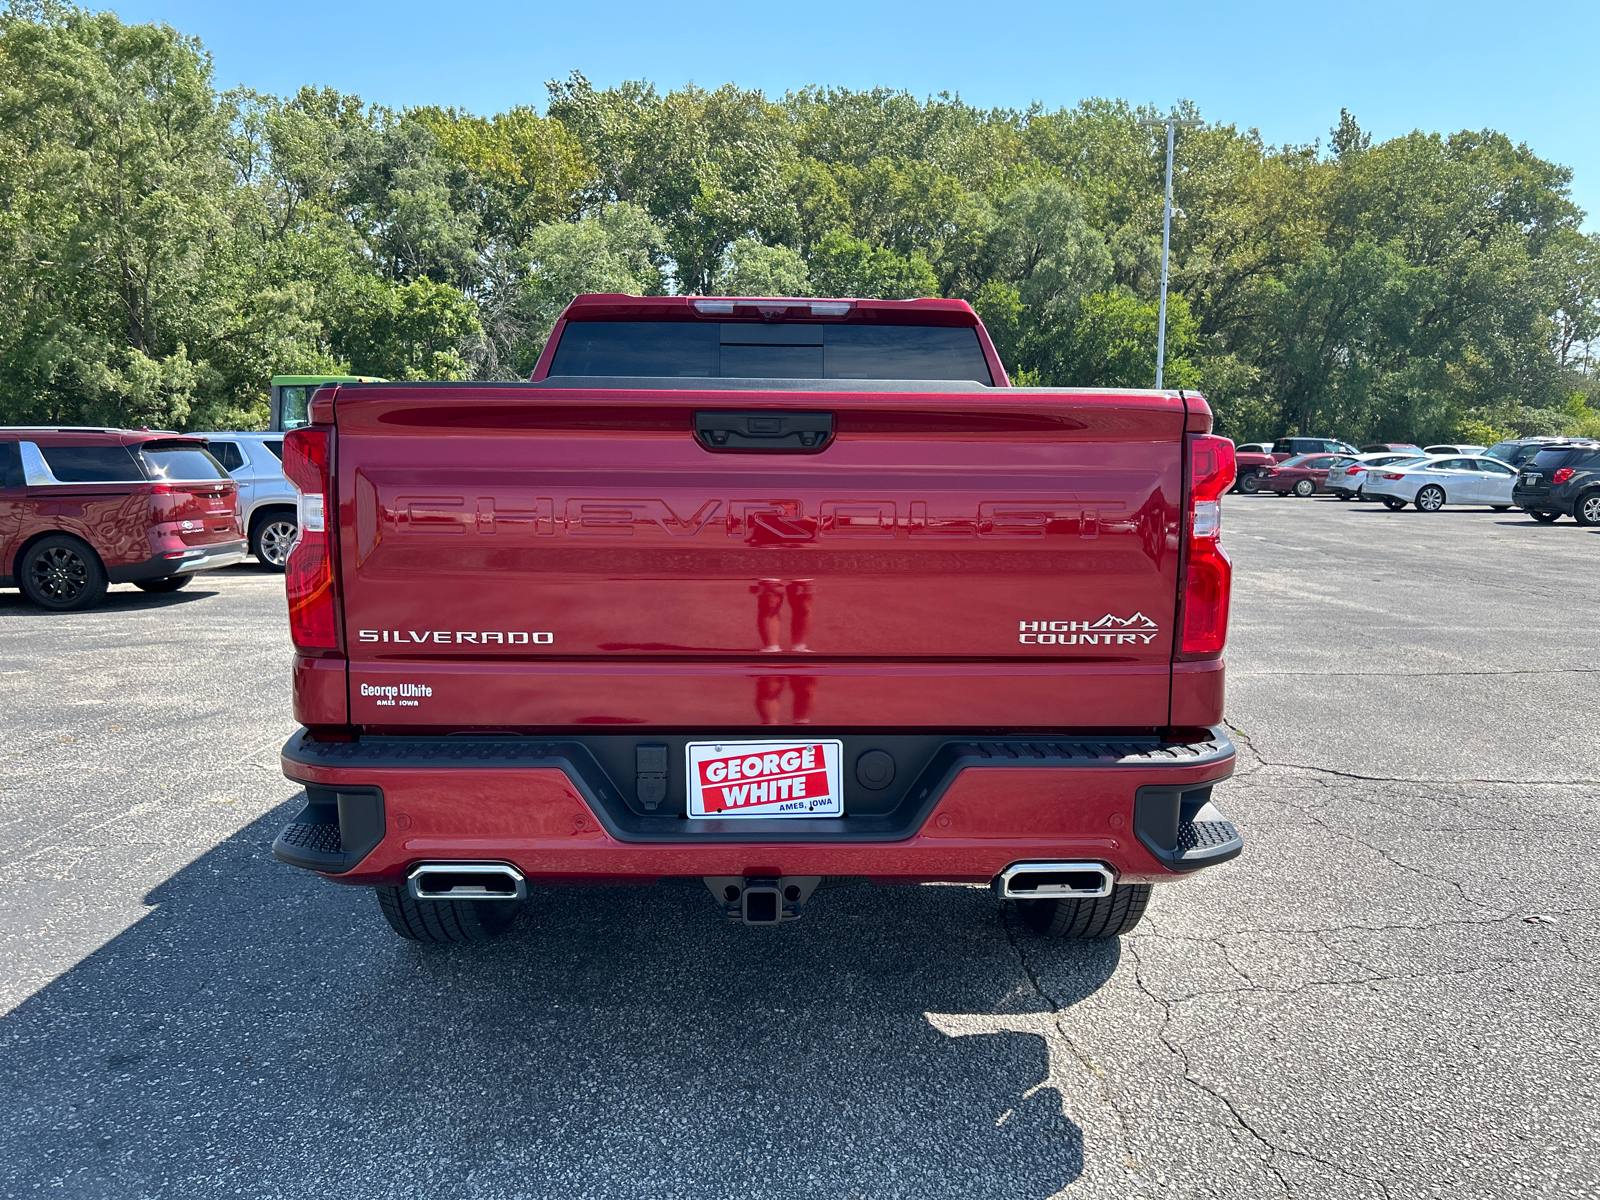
[{"x": 291, "y": 396}]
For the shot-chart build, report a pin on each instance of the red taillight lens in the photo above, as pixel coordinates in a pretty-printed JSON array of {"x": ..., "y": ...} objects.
[
  {"x": 1208, "y": 578},
  {"x": 308, "y": 575},
  {"x": 1355, "y": 470},
  {"x": 1396, "y": 476},
  {"x": 1562, "y": 475}
]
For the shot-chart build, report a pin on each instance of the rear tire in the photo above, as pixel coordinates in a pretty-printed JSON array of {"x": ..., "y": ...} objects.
[
  {"x": 62, "y": 574},
  {"x": 1393, "y": 503},
  {"x": 1501, "y": 507},
  {"x": 271, "y": 536},
  {"x": 1430, "y": 499},
  {"x": 1250, "y": 484},
  {"x": 445, "y": 920},
  {"x": 1304, "y": 488},
  {"x": 1544, "y": 514},
  {"x": 170, "y": 584},
  {"x": 1587, "y": 509},
  {"x": 1105, "y": 917}
]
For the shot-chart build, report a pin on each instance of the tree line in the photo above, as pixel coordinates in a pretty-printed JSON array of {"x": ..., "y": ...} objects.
[{"x": 166, "y": 247}]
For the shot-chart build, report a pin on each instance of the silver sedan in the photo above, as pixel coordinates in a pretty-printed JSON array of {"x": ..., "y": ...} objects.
[{"x": 1432, "y": 483}]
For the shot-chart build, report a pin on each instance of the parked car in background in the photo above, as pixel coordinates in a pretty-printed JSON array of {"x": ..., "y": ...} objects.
[
  {"x": 1519, "y": 450},
  {"x": 1561, "y": 480},
  {"x": 290, "y": 397},
  {"x": 81, "y": 509},
  {"x": 1304, "y": 476},
  {"x": 266, "y": 498},
  {"x": 1431, "y": 483},
  {"x": 1252, "y": 460},
  {"x": 1347, "y": 479},
  {"x": 1290, "y": 447},
  {"x": 1392, "y": 447},
  {"x": 1455, "y": 449}
]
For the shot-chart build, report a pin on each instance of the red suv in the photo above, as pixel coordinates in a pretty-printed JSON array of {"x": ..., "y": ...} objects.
[{"x": 84, "y": 508}]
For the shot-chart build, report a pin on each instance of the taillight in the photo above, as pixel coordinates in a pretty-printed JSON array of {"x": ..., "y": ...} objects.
[
  {"x": 308, "y": 575},
  {"x": 1355, "y": 470},
  {"x": 1396, "y": 476},
  {"x": 1208, "y": 578},
  {"x": 1562, "y": 475}
]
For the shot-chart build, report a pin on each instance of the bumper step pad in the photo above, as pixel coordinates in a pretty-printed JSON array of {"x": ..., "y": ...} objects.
[
  {"x": 1182, "y": 828},
  {"x": 335, "y": 831}
]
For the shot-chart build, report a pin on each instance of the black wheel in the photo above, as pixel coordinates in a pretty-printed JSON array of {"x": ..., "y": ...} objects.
[
  {"x": 1587, "y": 510},
  {"x": 170, "y": 584},
  {"x": 1501, "y": 507},
  {"x": 1345, "y": 495},
  {"x": 1304, "y": 488},
  {"x": 1544, "y": 514},
  {"x": 1393, "y": 503},
  {"x": 445, "y": 920},
  {"x": 1250, "y": 484},
  {"x": 1105, "y": 917},
  {"x": 62, "y": 574},
  {"x": 1430, "y": 498},
  {"x": 270, "y": 538}
]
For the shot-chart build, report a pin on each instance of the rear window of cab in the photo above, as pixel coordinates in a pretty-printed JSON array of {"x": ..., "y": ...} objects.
[{"x": 768, "y": 350}]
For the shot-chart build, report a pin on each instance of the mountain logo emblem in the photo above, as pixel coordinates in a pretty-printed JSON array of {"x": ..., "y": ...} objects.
[
  {"x": 1137, "y": 621},
  {"x": 1109, "y": 630}
]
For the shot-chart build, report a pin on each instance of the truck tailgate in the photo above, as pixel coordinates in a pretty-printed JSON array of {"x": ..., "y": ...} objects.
[{"x": 513, "y": 558}]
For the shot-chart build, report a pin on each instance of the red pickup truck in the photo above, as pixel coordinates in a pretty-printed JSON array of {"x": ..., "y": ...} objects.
[{"x": 766, "y": 593}]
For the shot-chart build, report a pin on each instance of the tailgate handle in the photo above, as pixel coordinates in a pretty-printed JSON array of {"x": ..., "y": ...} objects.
[{"x": 764, "y": 432}]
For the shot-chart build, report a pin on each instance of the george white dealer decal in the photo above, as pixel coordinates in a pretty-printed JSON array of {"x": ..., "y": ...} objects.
[
  {"x": 397, "y": 695},
  {"x": 1137, "y": 630},
  {"x": 445, "y": 637}
]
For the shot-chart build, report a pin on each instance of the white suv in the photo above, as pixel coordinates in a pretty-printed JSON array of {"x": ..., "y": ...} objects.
[{"x": 266, "y": 498}]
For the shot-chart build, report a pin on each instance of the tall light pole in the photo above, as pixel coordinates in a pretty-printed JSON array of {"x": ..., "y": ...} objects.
[{"x": 1172, "y": 124}]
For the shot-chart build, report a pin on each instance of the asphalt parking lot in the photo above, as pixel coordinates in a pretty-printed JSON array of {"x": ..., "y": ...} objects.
[{"x": 1391, "y": 994}]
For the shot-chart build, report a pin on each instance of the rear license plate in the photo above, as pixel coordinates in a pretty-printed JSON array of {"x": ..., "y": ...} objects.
[{"x": 766, "y": 779}]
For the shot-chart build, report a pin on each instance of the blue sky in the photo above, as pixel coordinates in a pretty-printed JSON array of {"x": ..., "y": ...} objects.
[{"x": 1530, "y": 70}]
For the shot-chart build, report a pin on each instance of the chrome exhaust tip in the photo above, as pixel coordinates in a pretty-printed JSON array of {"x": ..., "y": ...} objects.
[
  {"x": 1055, "y": 880},
  {"x": 466, "y": 881}
]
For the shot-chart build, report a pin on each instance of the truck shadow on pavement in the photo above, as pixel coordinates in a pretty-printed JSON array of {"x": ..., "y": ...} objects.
[{"x": 261, "y": 1029}]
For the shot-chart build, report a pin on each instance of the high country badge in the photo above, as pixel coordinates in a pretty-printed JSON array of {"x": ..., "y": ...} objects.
[{"x": 1137, "y": 630}]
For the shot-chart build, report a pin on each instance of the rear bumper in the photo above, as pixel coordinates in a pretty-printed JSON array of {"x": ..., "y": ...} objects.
[
  {"x": 377, "y": 807},
  {"x": 1548, "y": 501},
  {"x": 183, "y": 562}
]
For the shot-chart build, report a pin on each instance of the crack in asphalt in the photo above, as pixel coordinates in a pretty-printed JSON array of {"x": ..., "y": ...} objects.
[
  {"x": 1413, "y": 674},
  {"x": 1096, "y": 1072},
  {"x": 1182, "y": 1055},
  {"x": 1264, "y": 762}
]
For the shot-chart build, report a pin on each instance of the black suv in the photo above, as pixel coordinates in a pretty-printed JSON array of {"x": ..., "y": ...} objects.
[
  {"x": 1564, "y": 478},
  {"x": 1519, "y": 450}
]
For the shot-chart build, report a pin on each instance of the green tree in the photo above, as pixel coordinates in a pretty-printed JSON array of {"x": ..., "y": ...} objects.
[
  {"x": 116, "y": 202},
  {"x": 842, "y": 265},
  {"x": 752, "y": 269}
]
